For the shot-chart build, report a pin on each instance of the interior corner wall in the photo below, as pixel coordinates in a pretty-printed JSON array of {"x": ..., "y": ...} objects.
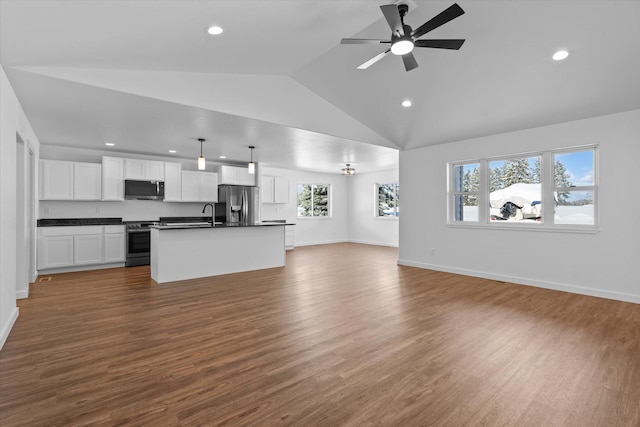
[
  {"x": 311, "y": 231},
  {"x": 13, "y": 122},
  {"x": 603, "y": 264},
  {"x": 364, "y": 226}
]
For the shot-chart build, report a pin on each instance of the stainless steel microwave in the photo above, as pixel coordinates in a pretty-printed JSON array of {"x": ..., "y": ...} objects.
[{"x": 143, "y": 190}]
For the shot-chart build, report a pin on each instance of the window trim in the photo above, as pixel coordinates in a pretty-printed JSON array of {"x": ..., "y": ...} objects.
[
  {"x": 547, "y": 187},
  {"x": 329, "y": 197},
  {"x": 376, "y": 201}
]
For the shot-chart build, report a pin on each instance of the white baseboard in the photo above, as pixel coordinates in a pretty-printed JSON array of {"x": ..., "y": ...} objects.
[
  {"x": 368, "y": 242},
  {"x": 22, "y": 294},
  {"x": 320, "y": 242},
  {"x": 619, "y": 296},
  {"x": 6, "y": 328},
  {"x": 80, "y": 268},
  {"x": 362, "y": 242}
]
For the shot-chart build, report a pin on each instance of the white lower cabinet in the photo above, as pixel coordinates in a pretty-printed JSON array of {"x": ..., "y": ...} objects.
[
  {"x": 114, "y": 248},
  {"x": 87, "y": 249},
  {"x": 55, "y": 252},
  {"x": 289, "y": 237},
  {"x": 64, "y": 247}
]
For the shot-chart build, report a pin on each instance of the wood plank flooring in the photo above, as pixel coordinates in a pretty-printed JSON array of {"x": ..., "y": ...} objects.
[{"x": 341, "y": 336}]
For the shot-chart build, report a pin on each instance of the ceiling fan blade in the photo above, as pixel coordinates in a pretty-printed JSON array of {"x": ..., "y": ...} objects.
[
  {"x": 409, "y": 61},
  {"x": 392, "y": 15},
  {"x": 363, "y": 41},
  {"x": 452, "y": 12},
  {"x": 373, "y": 60},
  {"x": 440, "y": 44}
]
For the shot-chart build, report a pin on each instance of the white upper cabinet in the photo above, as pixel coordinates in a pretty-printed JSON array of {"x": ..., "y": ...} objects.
[
  {"x": 60, "y": 180},
  {"x": 274, "y": 189},
  {"x": 235, "y": 175},
  {"x": 172, "y": 182},
  {"x": 199, "y": 186},
  {"x": 87, "y": 181},
  {"x": 56, "y": 180},
  {"x": 143, "y": 170},
  {"x": 280, "y": 190},
  {"x": 266, "y": 189},
  {"x": 112, "y": 178}
]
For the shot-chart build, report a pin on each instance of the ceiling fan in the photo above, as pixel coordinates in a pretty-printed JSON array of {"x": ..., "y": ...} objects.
[{"x": 404, "y": 38}]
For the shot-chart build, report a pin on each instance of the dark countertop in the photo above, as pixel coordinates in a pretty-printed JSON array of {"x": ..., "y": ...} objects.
[
  {"x": 218, "y": 225},
  {"x": 66, "y": 222}
]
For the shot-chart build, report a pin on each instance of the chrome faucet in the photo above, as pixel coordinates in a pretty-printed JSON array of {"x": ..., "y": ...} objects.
[{"x": 213, "y": 213}]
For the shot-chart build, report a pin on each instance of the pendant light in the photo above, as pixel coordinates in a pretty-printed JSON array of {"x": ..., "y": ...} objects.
[
  {"x": 252, "y": 166},
  {"x": 348, "y": 170},
  {"x": 201, "y": 163}
]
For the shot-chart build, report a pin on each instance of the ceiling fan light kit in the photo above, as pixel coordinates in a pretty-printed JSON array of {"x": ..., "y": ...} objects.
[
  {"x": 404, "y": 38},
  {"x": 348, "y": 171}
]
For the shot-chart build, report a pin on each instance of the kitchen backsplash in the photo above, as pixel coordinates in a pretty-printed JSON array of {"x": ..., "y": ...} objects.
[{"x": 128, "y": 210}]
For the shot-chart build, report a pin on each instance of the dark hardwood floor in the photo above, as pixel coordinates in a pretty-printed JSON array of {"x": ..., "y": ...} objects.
[{"x": 341, "y": 336}]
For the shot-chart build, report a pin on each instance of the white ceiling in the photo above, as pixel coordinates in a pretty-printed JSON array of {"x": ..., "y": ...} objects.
[{"x": 145, "y": 76}]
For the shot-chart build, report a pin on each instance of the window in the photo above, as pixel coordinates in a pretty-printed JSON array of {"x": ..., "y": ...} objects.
[
  {"x": 388, "y": 198},
  {"x": 574, "y": 187},
  {"x": 515, "y": 193},
  {"x": 548, "y": 189},
  {"x": 466, "y": 187},
  {"x": 313, "y": 200}
]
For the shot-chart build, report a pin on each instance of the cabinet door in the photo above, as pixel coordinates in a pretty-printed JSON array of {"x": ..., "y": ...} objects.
[
  {"x": 172, "y": 182},
  {"x": 228, "y": 175},
  {"x": 153, "y": 171},
  {"x": 289, "y": 237},
  {"x": 55, "y": 252},
  {"x": 280, "y": 190},
  {"x": 134, "y": 169},
  {"x": 114, "y": 248},
  {"x": 112, "y": 178},
  {"x": 266, "y": 189},
  {"x": 245, "y": 178},
  {"x": 87, "y": 249},
  {"x": 56, "y": 180},
  {"x": 190, "y": 186},
  {"x": 87, "y": 181},
  {"x": 208, "y": 187}
]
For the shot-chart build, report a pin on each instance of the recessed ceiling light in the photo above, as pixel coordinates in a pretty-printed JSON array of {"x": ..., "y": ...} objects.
[
  {"x": 110, "y": 144},
  {"x": 223, "y": 157},
  {"x": 214, "y": 30},
  {"x": 406, "y": 103},
  {"x": 172, "y": 151},
  {"x": 560, "y": 55}
]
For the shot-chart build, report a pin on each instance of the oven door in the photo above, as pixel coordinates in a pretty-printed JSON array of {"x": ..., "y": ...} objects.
[{"x": 138, "y": 247}]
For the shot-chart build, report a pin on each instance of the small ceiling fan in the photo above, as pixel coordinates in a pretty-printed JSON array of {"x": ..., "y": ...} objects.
[{"x": 404, "y": 38}]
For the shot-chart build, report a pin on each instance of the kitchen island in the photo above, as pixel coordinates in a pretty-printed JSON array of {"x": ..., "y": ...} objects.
[{"x": 191, "y": 251}]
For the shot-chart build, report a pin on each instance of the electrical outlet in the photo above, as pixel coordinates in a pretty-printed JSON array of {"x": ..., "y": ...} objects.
[
  {"x": 47, "y": 210},
  {"x": 433, "y": 252},
  {"x": 97, "y": 210}
]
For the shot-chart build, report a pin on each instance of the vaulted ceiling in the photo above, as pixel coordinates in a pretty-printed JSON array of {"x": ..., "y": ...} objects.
[{"x": 145, "y": 76}]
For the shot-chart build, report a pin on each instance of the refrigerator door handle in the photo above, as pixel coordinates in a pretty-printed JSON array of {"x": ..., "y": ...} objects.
[{"x": 244, "y": 206}]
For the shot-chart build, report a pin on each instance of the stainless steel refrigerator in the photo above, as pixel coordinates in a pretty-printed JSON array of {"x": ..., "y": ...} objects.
[{"x": 238, "y": 204}]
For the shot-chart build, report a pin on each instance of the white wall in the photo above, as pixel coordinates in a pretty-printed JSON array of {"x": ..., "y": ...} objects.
[
  {"x": 312, "y": 231},
  {"x": 364, "y": 226},
  {"x": 601, "y": 264},
  {"x": 13, "y": 125}
]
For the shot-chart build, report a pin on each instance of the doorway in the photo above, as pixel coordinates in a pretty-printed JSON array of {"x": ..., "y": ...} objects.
[{"x": 25, "y": 219}]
